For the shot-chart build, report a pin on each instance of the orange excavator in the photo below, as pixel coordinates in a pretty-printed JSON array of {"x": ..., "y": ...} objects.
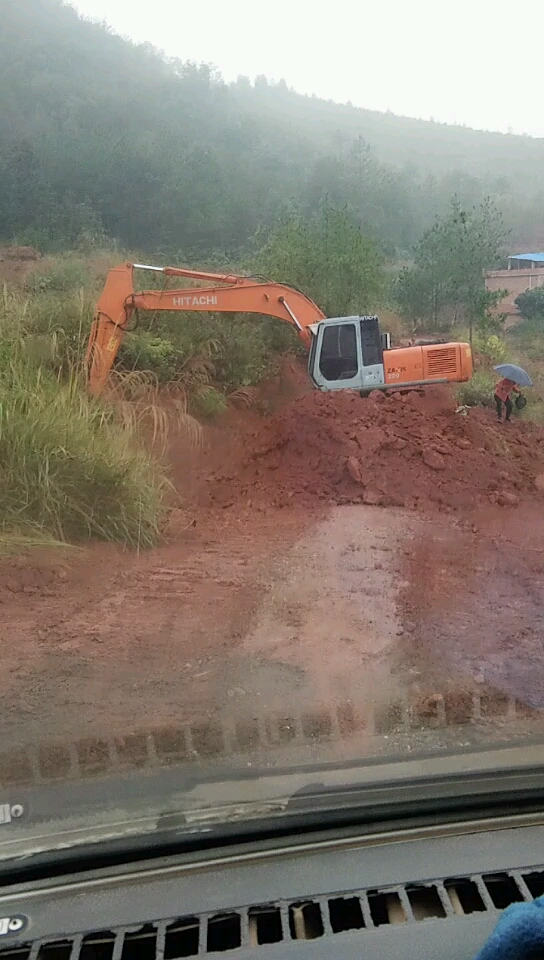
[{"x": 346, "y": 353}]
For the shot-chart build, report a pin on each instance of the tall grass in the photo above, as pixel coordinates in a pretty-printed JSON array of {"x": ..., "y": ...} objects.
[
  {"x": 68, "y": 468},
  {"x": 71, "y": 469}
]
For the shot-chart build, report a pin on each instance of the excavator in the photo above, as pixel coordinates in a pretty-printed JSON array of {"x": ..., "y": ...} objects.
[{"x": 345, "y": 353}]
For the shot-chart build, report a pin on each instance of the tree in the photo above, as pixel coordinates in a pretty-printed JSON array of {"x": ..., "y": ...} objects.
[
  {"x": 167, "y": 157},
  {"x": 531, "y": 304},
  {"x": 447, "y": 281},
  {"x": 326, "y": 256}
]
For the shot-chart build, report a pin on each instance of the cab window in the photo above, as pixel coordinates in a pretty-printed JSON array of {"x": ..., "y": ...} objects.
[{"x": 338, "y": 359}]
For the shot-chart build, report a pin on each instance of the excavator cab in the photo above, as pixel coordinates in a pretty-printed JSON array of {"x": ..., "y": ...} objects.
[{"x": 347, "y": 353}]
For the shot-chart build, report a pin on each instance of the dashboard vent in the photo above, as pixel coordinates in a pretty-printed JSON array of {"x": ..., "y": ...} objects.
[{"x": 356, "y": 911}]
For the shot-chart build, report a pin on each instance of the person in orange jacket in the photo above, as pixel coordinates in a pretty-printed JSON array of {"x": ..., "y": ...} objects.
[{"x": 503, "y": 392}]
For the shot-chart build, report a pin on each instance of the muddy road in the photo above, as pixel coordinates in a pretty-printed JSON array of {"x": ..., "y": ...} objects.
[
  {"x": 345, "y": 578},
  {"x": 474, "y": 602},
  {"x": 243, "y": 617},
  {"x": 280, "y": 636}
]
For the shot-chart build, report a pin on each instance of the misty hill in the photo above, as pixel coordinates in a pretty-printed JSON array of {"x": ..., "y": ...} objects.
[
  {"x": 101, "y": 135},
  {"x": 429, "y": 145}
]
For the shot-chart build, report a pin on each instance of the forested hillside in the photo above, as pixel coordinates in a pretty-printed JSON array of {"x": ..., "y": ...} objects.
[
  {"x": 435, "y": 147},
  {"x": 99, "y": 136}
]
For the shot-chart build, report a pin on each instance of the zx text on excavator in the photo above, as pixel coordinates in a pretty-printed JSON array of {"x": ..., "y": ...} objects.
[{"x": 345, "y": 353}]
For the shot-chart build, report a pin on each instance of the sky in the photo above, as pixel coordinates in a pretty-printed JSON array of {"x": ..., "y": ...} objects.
[{"x": 475, "y": 62}]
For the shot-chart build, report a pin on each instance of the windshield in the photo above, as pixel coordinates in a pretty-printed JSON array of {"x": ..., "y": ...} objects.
[{"x": 216, "y": 561}]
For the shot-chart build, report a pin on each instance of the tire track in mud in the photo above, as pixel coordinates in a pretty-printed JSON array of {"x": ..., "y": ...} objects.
[
  {"x": 286, "y": 625},
  {"x": 106, "y": 639},
  {"x": 232, "y": 625}
]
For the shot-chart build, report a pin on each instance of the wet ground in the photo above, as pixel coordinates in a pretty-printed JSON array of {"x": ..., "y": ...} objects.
[
  {"x": 277, "y": 636},
  {"x": 474, "y": 601}
]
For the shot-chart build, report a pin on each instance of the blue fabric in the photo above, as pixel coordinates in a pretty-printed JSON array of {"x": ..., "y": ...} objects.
[{"x": 519, "y": 934}]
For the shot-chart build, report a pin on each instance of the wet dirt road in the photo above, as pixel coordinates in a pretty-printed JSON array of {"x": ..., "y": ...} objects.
[
  {"x": 343, "y": 633},
  {"x": 236, "y": 620},
  {"x": 475, "y": 601}
]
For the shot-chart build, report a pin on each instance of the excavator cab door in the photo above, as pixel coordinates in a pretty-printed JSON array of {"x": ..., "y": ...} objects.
[
  {"x": 335, "y": 356},
  {"x": 346, "y": 354},
  {"x": 372, "y": 345}
]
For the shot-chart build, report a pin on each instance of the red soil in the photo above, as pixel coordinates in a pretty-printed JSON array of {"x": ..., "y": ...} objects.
[{"x": 403, "y": 449}]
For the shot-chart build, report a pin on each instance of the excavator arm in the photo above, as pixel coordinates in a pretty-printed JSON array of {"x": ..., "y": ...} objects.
[{"x": 225, "y": 294}]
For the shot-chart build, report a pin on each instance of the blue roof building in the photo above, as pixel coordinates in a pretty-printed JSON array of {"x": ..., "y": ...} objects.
[{"x": 521, "y": 260}]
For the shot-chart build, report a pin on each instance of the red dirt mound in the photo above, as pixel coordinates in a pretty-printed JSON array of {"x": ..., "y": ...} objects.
[{"x": 403, "y": 449}]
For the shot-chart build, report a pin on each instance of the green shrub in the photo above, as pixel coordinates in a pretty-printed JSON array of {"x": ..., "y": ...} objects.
[
  {"x": 243, "y": 349},
  {"x": 208, "y": 402},
  {"x": 493, "y": 347},
  {"x": 477, "y": 392},
  {"x": 530, "y": 304},
  {"x": 144, "y": 351}
]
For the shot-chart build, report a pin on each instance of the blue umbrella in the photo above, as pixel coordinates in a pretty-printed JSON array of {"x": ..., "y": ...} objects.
[{"x": 512, "y": 372}]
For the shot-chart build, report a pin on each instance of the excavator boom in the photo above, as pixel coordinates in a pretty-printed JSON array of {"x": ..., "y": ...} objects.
[
  {"x": 346, "y": 353},
  {"x": 228, "y": 294}
]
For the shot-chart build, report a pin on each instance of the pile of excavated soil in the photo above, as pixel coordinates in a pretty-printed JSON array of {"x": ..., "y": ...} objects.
[{"x": 401, "y": 449}]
